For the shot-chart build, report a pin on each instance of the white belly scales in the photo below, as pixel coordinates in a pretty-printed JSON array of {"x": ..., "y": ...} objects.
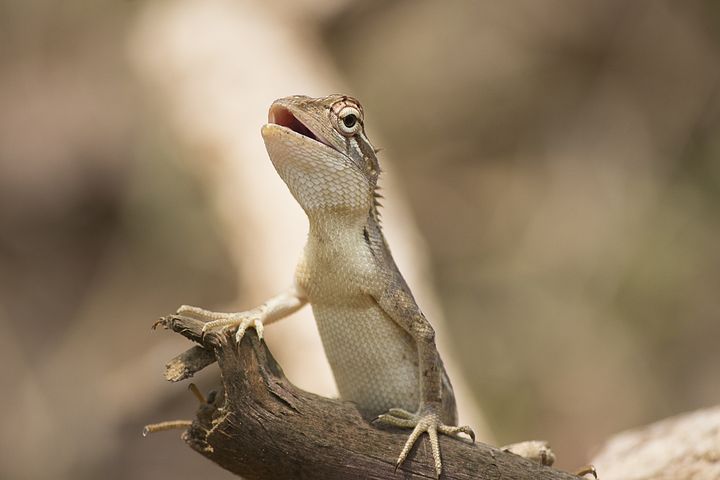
[{"x": 374, "y": 361}]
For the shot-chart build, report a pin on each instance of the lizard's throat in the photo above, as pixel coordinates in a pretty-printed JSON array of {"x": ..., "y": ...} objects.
[
  {"x": 327, "y": 229},
  {"x": 324, "y": 182},
  {"x": 322, "y": 198}
]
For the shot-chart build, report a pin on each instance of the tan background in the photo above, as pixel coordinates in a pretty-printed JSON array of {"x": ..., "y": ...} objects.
[{"x": 559, "y": 158}]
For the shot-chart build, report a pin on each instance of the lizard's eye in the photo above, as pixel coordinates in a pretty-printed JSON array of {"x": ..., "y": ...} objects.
[{"x": 349, "y": 121}]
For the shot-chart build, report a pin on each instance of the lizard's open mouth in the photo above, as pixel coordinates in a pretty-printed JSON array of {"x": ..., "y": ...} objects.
[{"x": 280, "y": 115}]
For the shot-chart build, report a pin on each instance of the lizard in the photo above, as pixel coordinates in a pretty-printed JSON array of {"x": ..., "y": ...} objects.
[{"x": 379, "y": 344}]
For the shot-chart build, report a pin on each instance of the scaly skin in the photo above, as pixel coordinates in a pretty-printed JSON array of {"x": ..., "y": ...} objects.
[{"x": 380, "y": 346}]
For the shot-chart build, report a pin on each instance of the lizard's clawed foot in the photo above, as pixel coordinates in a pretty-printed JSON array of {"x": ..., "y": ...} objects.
[
  {"x": 221, "y": 320},
  {"x": 428, "y": 420},
  {"x": 536, "y": 450},
  {"x": 539, "y": 451},
  {"x": 586, "y": 470}
]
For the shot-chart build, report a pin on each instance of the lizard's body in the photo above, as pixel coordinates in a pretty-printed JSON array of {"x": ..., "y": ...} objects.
[
  {"x": 379, "y": 345},
  {"x": 374, "y": 360}
]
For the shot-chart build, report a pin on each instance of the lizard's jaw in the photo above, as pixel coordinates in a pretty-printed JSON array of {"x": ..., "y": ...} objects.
[
  {"x": 281, "y": 116},
  {"x": 285, "y": 134},
  {"x": 320, "y": 178}
]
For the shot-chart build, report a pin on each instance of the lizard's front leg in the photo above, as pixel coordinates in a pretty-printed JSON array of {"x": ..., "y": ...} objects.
[{"x": 274, "y": 309}]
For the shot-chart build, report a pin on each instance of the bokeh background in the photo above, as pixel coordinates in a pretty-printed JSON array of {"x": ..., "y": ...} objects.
[{"x": 560, "y": 161}]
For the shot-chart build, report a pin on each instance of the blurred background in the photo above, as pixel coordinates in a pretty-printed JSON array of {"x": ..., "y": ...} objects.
[{"x": 552, "y": 165}]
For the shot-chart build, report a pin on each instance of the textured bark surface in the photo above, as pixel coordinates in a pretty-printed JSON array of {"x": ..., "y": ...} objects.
[
  {"x": 188, "y": 363},
  {"x": 261, "y": 426},
  {"x": 683, "y": 447}
]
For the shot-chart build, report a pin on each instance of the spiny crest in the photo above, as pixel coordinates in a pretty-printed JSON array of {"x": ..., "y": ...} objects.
[{"x": 377, "y": 196}]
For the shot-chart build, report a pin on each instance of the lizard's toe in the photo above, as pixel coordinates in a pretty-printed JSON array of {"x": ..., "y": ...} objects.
[
  {"x": 397, "y": 417},
  {"x": 428, "y": 420},
  {"x": 454, "y": 431},
  {"x": 246, "y": 322},
  {"x": 429, "y": 424},
  {"x": 219, "y": 321},
  {"x": 587, "y": 470},
  {"x": 400, "y": 413},
  {"x": 535, "y": 450},
  {"x": 219, "y": 324},
  {"x": 190, "y": 309},
  {"x": 397, "y": 421},
  {"x": 201, "y": 313}
]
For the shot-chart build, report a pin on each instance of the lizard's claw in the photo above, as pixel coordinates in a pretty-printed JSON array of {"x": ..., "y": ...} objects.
[
  {"x": 428, "y": 420},
  {"x": 221, "y": 320},
  {"x": 535, "y": 450},
  {"x": 587, "y": 470}
]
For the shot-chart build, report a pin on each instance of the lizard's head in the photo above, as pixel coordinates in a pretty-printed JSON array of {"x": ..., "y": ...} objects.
[{"x": 319, "y": 148}]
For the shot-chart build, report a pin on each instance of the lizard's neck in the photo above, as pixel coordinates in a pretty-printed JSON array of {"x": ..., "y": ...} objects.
[{"x": 329, "y": 226}]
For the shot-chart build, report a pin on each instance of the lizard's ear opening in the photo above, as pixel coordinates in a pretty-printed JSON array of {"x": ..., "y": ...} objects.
[{"x": 280, "y": 115}]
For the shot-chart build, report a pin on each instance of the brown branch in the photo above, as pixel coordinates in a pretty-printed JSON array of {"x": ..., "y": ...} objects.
[
  {"x": 262, "y": 426},
  {"x": 188, "y": 363}
]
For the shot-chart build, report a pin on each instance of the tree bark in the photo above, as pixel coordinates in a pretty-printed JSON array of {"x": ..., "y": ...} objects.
[{"x": 261, "y": 426}]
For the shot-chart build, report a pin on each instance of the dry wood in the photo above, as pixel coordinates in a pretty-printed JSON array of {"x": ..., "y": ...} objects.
[
  {"x": 684, "y": 447},
  {"x": 261, "y": 426},
  {"x": 188, "y": 363}
]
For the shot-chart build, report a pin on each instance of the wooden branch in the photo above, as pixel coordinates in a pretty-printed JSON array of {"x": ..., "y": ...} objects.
[
  {"x": 683, "y": 447},
  {"x": 261, "y": 426},
  {"x": 189, "y": 363}
]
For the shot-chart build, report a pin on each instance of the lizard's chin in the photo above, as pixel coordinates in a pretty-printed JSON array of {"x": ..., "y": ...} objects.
[
  {"x": 317, "y": 176},
  {"x": 276, "y": 133}
]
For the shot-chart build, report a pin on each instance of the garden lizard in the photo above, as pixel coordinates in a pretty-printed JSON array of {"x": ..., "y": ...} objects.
[{"x": 380, "y": 346}]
